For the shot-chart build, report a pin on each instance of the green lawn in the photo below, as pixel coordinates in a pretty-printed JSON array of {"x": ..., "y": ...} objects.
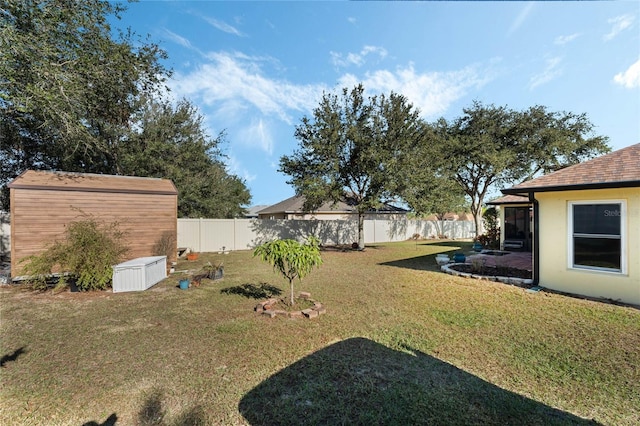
[{"x": 401, "y": 343}]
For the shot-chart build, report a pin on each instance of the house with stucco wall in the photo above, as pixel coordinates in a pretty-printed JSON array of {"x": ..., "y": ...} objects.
[
  {"x": 586, "y": 227},
  {"x": 293, "y": 208}
]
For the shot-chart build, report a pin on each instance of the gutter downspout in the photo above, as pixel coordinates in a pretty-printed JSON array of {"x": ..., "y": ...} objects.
[{"x": 536, "y": 239}]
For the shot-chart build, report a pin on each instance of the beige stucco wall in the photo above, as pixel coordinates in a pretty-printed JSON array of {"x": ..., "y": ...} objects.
[{"x": 555, "y": 270}]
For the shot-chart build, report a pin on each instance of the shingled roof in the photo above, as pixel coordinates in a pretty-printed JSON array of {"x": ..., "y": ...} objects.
[
  {"x": 295, "y": 205},
  {"x": 615, "y": 170},
  {"x": 509, "y": 199}
]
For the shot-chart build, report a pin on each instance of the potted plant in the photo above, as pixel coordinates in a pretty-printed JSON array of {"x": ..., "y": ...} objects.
[
  {"x": 192, "y": 256},
  {"x": 213, "y": 271},
  {"x": 184, "y": 283}
]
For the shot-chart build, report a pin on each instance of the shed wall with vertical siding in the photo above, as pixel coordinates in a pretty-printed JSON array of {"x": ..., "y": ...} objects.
[{"x": 43, "y": 203}]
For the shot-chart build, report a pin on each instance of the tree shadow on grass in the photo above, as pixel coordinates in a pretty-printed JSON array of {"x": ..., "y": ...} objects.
[
  {"x": 110, "y": 421},
  {"x": 253, "y": 291},
  {"x": 152, "y": 413},
  {"x": 428, "y": 262},
  {"x": 419, "y": 263},
  {"x": 12, "y": 356},
  {"x": 358, "y": 381}
]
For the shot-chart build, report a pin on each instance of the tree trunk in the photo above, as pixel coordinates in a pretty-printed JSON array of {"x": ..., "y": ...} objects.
[
  {"x": 291, "y": 299},
  {"x": 360, "y": 231},
  {"x": 477, "y": 219}
]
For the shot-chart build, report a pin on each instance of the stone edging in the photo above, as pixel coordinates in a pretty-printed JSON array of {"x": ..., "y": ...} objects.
[
  {"x": 505, "y": 280},
  {"x": 264, "y": 308}
]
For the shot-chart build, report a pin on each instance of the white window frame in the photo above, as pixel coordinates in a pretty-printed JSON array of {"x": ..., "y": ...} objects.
[{"x": 623, "y": 237}]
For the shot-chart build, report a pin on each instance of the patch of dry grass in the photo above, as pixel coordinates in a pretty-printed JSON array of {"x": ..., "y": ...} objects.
[{"x": 400, "y": 344}]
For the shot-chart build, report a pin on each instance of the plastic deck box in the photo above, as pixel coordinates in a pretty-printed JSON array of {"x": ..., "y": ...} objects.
[{"x": 139, "y": 274}]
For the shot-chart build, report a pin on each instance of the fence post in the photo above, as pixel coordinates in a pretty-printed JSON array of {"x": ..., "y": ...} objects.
[{"x": 200, "y": 235}]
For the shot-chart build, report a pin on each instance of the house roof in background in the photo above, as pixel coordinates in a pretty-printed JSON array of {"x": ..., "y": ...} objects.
[
  {"x": 465, "y": 216},
  {"x": 69, "y": 181},
  {"x": 294, "y": 205},
  {"x": 253, "y": 210},
  {"x": 509, "y": 199},
  {"x": 620, "y": 168}
]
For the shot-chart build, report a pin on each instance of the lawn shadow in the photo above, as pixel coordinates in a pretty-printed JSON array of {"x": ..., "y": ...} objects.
[
  {"x": 12, "y": 356},
  {"x": 358, "y": 381},
  {"x": 111, "y": 421},
  {"x": 428, "y": 262},
  {"x": 152, "y": 413},
  {"x": 419, "y": 263},
  {"x": 253, "y": 291}
]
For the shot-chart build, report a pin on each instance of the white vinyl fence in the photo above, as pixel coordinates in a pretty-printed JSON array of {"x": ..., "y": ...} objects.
[
  {"x": 213, "y": 235},
  {"x": 5, "y": 234}
]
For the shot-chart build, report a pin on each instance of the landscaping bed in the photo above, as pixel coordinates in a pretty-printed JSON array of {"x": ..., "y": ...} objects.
[{"x": 491, "y": 271}]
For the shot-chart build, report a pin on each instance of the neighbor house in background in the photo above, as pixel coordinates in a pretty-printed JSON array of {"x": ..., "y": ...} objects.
[
  {"x": 43, "y": 203},
  {"x": 586, "y": 233},
  {"x": 292, "y": 208}
]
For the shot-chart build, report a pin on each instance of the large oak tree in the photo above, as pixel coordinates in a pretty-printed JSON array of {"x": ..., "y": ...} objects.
[
  {"x": 354, "y": 149},
  {"x": 171, "y": 142},
  {"x": 74, "y": 96},
  {"x": 490, "y": 146}
]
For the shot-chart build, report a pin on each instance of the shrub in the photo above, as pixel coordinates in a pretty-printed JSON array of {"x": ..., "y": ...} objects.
[
  {"x": 86, "y": 256},
  {"x": 166, "y": 246},
  {"x": 491, "y": 239}
]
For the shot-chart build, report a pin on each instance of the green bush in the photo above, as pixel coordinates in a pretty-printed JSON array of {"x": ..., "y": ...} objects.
[
  {"x": 491, "y": 239},
  {"x": 85, "y": 256}
]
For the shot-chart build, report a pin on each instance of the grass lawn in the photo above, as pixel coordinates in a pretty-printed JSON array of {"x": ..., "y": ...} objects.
[{"x": 401, "y": 343}]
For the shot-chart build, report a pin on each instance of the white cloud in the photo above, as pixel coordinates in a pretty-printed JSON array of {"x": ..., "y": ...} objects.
[
  {"x": 560, "y": 40},
  {"x": 522, "y": 16},
  {"x": 431, "y": 92},
  {"x": 235, "y": 167},
  {"x": 178, "y": 39},
  {"x": 352, "y": 20},
  {"x": 618, "y": 24},
  {"x": 629, "y": 78},
  {"x": 235, "y": 82},
  {"x": 223, "y": 26},
  {"x": 257, "y": 134},
  {"x": 551, "y": 71},
  {"x": 357, "y": 59},
  {"x": 236, "y": 89}
]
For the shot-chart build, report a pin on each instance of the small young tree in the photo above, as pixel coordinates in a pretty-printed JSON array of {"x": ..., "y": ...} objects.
[{"x": 290, "y": 258}]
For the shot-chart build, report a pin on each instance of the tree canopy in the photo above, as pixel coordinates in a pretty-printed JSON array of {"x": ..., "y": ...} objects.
[
  {"x": 291, "y": 259},
  {"x": 171, "y": 142},
  {"x": 354, "y": 149},
  {"x": 76, "y": 97},
  {"x": 490, "y": 146}
]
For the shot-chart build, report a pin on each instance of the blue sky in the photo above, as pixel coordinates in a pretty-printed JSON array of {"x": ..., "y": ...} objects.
[{"x": 256, "y": 68}]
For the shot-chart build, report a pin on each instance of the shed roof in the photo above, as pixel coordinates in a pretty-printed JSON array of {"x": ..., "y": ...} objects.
[
  {"x": 620, "y": 168},
  {"x": 70, "y": 181},
  {"x": 295, "y": 204}
]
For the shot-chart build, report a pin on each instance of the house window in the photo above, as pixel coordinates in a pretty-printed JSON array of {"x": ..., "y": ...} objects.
[{"x": 597, "y": 236}]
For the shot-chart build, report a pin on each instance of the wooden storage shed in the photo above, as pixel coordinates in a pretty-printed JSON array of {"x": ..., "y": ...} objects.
[{"x": 43, "y": 202}]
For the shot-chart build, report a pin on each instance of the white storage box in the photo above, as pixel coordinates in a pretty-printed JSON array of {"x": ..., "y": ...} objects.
[{"x": 139, "y": 274}]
